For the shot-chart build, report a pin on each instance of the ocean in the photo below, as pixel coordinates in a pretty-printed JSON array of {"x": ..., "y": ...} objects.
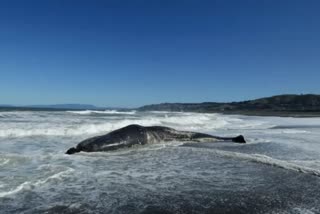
[{"x": 277, "y": 171}]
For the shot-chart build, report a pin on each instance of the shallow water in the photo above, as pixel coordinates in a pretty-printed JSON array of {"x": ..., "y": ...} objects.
[{"x": 278, "y": 171}]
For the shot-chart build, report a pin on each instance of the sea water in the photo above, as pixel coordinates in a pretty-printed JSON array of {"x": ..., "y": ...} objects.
[{"x": 277, "y": 171}]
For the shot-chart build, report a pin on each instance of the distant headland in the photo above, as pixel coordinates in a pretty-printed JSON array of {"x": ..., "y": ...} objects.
[{"x": 304, "y": 105}]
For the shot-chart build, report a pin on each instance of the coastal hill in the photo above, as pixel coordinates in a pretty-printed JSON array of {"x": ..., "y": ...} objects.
[{"x": 280, "y": 105}]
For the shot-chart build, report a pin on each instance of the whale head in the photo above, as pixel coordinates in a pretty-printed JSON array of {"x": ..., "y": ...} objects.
[{"x": 72, "y": 151}]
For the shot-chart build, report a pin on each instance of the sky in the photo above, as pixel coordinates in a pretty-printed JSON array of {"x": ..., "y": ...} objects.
[{"x": 131, "y": 53}]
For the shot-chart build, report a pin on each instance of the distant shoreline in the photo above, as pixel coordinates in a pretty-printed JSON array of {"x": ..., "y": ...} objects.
[
  {"x": 245, "y": 113},
  {"x": 276, "y": 114},
  {"x": 289, "y": 105},
  {"x": 255, "y": 113}
]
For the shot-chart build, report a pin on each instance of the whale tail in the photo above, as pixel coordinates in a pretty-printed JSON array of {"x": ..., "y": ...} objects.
[
  {"x": 72, "y": 151},
  {"x": 239, "y": 139}
]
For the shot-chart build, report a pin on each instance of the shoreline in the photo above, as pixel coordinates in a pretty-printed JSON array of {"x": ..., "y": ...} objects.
[
  {"x": 276, "y": 114},
  {"x": 295, "y": 114},
  {"x": 253, "y": 113}
]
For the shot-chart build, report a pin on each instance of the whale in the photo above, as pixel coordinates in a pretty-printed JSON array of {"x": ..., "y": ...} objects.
[{"x": 132, "y": 135}]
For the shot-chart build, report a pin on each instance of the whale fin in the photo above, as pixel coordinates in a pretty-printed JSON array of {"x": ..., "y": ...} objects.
[
  {"x": 72, "y": 151},
  {"x": 239, "y": 139}
]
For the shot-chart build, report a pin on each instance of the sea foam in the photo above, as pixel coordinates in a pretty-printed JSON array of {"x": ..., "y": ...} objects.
[
  {"x": 89, "y": 112},
  {"x": 28, "y": 185}
]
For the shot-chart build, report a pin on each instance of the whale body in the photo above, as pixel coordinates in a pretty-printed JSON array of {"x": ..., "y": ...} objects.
[{"x": 140, "y": 135}]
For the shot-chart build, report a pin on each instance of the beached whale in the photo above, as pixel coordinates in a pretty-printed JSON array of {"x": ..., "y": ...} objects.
[{"x": 140, "y": 135}]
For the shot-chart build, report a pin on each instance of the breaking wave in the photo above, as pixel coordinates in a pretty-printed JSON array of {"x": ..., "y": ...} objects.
[
  {"x": 90, "y": 112},
  {"x": 70, "y": 126}
]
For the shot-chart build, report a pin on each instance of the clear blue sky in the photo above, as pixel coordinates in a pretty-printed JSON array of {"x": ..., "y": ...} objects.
[{"x": 130, "y": 53}]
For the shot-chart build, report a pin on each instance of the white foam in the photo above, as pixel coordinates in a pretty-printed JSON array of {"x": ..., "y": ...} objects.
[
  {"x": 4, "y": 161},
  {"x": 287, "y": 131},
  {"x": 299, "y": 210},
  {"x": 269, "y": 161},
  {"x": 64, "y": 125},
  {"x": 88, "y": 112},
  {"x": 264, "y": 159},
  {"x": 68, "y": 124},
  {"x": 292, "y": 131},
  {"x": 25, "y": 186}
]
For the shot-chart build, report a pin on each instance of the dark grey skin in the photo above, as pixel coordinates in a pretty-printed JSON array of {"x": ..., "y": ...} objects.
[{"x": 140, "y": 135}]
